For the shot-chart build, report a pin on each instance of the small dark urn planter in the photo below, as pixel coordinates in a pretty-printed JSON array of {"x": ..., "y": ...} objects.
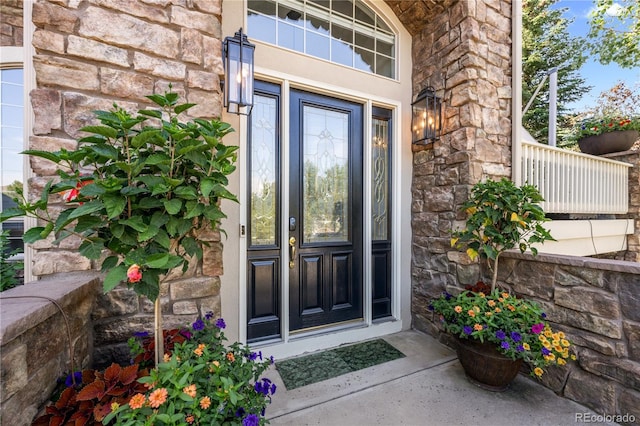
[
  {"x": 606, "y": 143},
  {"x": 485, "y": 367}
]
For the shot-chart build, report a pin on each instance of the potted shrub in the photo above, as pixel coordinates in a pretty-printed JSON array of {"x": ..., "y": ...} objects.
[{"x": 497, "y": 331}]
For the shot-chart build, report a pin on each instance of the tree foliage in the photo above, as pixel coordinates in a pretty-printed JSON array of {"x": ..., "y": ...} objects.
[
  {"x": 615, "y": 32},
  {"x": 546, "y": 43}
]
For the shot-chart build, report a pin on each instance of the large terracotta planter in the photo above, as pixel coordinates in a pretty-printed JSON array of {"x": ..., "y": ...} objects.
[
  {"x": 606, "y": 143},
  {"x": 485, "y": 367}
]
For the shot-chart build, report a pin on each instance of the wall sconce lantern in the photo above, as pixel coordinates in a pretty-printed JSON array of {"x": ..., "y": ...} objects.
[
  {"x": 426, "y": 120},
  {"x": 238, "y": 70}
]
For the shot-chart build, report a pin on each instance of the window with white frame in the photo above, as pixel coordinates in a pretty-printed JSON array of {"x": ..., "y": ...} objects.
[
  {"x": 11, "y": 144},
  {"x": 346, "y": 32}
]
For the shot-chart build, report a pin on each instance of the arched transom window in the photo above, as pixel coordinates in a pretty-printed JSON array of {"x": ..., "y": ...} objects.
[{"x": 346, "y": 32}]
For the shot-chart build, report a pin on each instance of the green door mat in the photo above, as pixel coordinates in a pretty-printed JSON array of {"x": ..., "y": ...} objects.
[{"x": 302, "y": 371}]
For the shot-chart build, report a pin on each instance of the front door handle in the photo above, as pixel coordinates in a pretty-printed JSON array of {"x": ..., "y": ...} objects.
[{"x": 292, "y": 252}]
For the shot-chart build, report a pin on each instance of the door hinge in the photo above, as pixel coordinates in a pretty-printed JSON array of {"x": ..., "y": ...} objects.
[{"x": 242, "y": 231}]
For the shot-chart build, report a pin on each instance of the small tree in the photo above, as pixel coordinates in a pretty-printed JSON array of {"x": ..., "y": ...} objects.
[
  {"x": 501, "y": 216},
  {"x": 140, "y": 188}
]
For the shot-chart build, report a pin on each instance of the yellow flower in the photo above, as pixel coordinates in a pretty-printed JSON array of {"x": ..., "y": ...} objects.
[
  {"x": 453, "y": 242},
  {"x": 488, "y": 314},
  {"x": 573, "y": 357},
  {"x": 561, "y": 334},
  {"x": 547, "y": 332},
  {"x": 114, "y": 406},
  {"x": 565, "y": 343},
  {"x": 526, "y": 346},
  {"x": 476, "y": 309},
  {"x": 481, "y": 294},
  {"x": 472, "y": 253},
  {"x": 561, "y": 361},
  {"x": 538, "y": 371}
]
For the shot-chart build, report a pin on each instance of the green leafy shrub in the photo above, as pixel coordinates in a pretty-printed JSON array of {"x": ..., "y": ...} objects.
[
  {"x": 203, "y": 381},
  {"x": 141, "y": 187},
  {"x": 9, "y": 269},
  {"x": 501, "y": 216}
]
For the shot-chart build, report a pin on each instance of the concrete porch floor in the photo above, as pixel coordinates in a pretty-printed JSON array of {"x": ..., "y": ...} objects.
[{"x": 427, "y": 387}]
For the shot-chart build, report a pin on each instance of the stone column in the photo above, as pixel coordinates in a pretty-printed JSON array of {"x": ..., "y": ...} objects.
[{"x": 465, "y": 54}]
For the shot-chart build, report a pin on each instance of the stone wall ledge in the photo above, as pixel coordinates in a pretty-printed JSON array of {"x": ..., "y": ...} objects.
[
  {"x": 25, "y": 306},
  {"x": 577, "y": 261}
]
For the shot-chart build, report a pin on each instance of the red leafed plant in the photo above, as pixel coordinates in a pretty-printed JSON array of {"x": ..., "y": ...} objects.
[
  {"x": 144, "y": 350},
  {"x": 97, "y": 394}
]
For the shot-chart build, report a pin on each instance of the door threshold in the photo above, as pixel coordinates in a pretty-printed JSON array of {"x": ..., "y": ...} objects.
[
  {"x": 326, "y": 338},
  {"x": 328, "y": 328}
]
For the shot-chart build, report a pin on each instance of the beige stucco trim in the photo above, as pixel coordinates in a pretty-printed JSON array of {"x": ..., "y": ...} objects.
[
  {"x": 516, "y": 99},
  {"x": 587, "y": 237},
  {"x": 292, "y": 69}
]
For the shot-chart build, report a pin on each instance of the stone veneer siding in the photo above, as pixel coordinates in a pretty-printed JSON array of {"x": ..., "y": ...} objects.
[
  {"x": 11, "y": 23},
  {"x": 89, "y": 55},
  {"x": 464, "y": 53},
  {"x": 632, "y": 253}
]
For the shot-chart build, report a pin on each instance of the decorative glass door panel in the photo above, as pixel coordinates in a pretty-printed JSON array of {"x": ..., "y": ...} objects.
[
  {"x": 325, "y": 189},
  {"x": 325, "y": 211}
]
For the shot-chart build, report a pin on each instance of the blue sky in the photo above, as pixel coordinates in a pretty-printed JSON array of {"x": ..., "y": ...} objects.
[{"x": 601, "y": 77}]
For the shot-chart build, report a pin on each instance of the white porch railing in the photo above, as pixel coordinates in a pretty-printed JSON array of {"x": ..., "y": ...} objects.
[{"x": 573, "y": 182}]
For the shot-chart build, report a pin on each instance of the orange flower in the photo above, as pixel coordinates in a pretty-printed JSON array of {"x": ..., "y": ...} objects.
[
  {"x": 133, "y": 273},
  {"x": 205, "y": 402},
  {"x": 471, "y": 313},
  {"x": 190, "y": 419},
  {"x": 498, "y": 310},
  {"x": 166, "y": 357},
  {"x": 158, "y": 397},
  {"x": 491, "y": 303},
  {"x": 190, "y": 390},
  {"x": 200, "y": 349},
  {"x": 477, "y": 327},
  {"x": 458, "y": 309},
  {"x": 137, "y": 401},
  {"x": 230, "y": 357},
  {"x": 511, "y": 308}
]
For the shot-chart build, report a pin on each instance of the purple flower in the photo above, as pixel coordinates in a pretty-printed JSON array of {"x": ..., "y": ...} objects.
[
  {"x": 271, "y": 358},
  {"x": 240, "y": 412},
  {"x": 467, "y": 329},
  {"x": 264, "y": 387},
  {"x": 253, "y": 356},
  {"x": 208, "y": 316},
  {"x": 70, "y": 379},
  {"x": 273, "y": 389},
  {"x": 447, "y": 296},
  {"x": 251, "y": 420},
  {"x": 187, "y": 334},
  {"x": 500, "y": 335},
  {"x": 198, "y": 325},
  {"x": 516, "y": 336},
  {"x": 141, "y": 334},
  {"x": 544, "y": 315},
  {"x": 520, "y": 348},
  {"x": 430, "y": 307},
  {"x": 537, "y": 328},
  {"x": 545, "y": 351},
  {"x": 505, "y": 345},
  {"x": 220, "y": 323}
]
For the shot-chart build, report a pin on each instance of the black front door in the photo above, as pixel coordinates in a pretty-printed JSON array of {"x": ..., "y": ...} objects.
[{"x": 325, "y": 211}]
